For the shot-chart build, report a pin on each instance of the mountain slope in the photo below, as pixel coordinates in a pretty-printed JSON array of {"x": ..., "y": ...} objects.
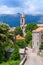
[{"x": 14, "y": 20}]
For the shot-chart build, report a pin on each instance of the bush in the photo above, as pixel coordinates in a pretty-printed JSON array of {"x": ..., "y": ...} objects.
[
  {"x": 1, "y": 53},
  {"x": 41, "y": 47},
  {"x": 12, "y": 62},
  {"x": 18, "y": 31},
  {"x": 1, "y": 57},
  {"x": 15, "y": 55},
  {"x": 21, "y": 43},
  {"x": 9, "y": 44},
  {"x": 30, "y": 27},
  {"x": 28, "y": 36},
  {"x": 30, "y": 43}
]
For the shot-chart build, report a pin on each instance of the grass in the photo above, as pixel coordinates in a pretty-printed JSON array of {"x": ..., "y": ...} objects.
[
  {"x": 41, "y": 55},
  {"x": 11, "y": 62}
]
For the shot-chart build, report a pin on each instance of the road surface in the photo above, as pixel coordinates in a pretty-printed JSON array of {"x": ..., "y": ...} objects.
[{"x": 33, "y": 58}]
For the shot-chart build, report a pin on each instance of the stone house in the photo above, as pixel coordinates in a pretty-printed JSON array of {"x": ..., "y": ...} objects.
[{"x": 37, "y": 38}]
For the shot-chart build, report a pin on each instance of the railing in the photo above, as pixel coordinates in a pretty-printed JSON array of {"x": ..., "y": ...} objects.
[{"x": 24, "y": 60}]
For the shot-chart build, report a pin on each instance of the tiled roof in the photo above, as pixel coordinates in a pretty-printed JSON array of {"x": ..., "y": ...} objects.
[
  {"x": 40, "y": 25},
  {"x": 18, "y": 37},
  {"x": 12, "y": 29},
  {"x": 38, "y": 29}
]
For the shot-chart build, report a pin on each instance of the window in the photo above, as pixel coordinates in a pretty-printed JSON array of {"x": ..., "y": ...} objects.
[
  {"x": 22, "y": 20},
  {"x": 41, "y": 42}
]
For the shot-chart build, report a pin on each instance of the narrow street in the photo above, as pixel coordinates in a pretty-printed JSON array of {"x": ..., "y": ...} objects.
[{"x": 33, "y": 58}]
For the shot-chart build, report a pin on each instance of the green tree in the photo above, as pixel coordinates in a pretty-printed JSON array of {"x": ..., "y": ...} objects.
[
  {"x": 11, "y": 36},
  {"x": 30, "y": 43},
  {"x": 4, "y": 33},
  {"x": 1, "y": 53},
  {"x": 4, "y": 28},
  {"x": 21, "y": 43},
  {"x": 15, "y": 55},
  {"x": 30, "y": 27},
  {"x": 4, "y": 40},
  {"x": 41, "y": 47},
  {"x": 18, "y": 31},
  {"x": 28, "y": 36}
]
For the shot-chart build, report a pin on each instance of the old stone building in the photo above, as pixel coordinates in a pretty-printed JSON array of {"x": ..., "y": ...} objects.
[{"x": 37, "y": 38}]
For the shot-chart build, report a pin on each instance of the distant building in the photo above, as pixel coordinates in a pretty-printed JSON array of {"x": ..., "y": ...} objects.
[
  {"x": 37, "y": 38},
  {"x": 12, "y": 29},
  {"x": 18, "y": 37},
  {"x": 40, "y": 25}
]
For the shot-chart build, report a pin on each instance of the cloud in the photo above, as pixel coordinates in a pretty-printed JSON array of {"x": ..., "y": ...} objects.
[
  {"x": 9, "y": 10},
  {"x": 33, "y": 6},
  {"x": 17, "y": 6}
]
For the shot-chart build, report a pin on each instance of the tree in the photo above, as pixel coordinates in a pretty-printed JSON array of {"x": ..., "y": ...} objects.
[
  {"x": 4, "y": 40},
  {"x": 1, "y": 53},
  {"x": 28, "y": 36},
  {"x": 41, "y": 47},
  {"x": 11, "y": 36},
  {"x": 15, "y": 55},
  {"x": 18, "y": 31},
  {"x": 4, "y": 32},
  {"x": 30, "y": 43},
  {"x": 4, "y": 28},
  {"x": 30, "y": 27},
  {"x": 21, "y": 43}
]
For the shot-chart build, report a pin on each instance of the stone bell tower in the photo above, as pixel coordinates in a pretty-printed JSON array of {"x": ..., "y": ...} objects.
[{"x": 22, "y": 23}]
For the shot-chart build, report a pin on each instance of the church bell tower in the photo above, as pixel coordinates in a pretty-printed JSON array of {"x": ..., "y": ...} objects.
[
  {"x": 22, "y": 20},
  {"x": 22, "y": 23}
]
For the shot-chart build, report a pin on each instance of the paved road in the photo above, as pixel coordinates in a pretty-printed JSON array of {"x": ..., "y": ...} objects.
[{"x": 33, "y": 58}]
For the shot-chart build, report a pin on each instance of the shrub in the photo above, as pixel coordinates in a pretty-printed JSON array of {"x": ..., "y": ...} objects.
[
  {"x": 30, "y": 43},
  {"x": 1, "y": 57},
  {"x": 28, "y": 36},
  {"x": 30, "y": 27},
  {"x": 18, "y": 31},
  {"x": 15, "y": 55},
  {"x": 21, "y": 43},
  {"x": 12, "y": 62},
  {"x": 41, "y": 47},
  {"x": 1, "y": 53}
]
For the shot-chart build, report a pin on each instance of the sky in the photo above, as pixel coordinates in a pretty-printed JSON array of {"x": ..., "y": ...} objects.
[{"x": 19, "y": 6}]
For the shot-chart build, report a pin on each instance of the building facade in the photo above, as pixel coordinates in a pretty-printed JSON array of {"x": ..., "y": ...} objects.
[{"x": 37, "y": 38}]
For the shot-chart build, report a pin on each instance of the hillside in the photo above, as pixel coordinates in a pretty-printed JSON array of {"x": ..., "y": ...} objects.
[{"x": 14, "y": 20}]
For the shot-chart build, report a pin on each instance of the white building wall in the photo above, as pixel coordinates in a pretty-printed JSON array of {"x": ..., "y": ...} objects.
[
  {"x": 36, "y": 40},
  {"x": 24, "y": 32}
]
